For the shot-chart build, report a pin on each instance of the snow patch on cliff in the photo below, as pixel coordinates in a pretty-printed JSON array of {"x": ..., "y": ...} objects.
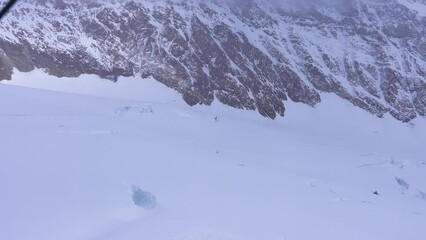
[{"x": 416, "y": 5}]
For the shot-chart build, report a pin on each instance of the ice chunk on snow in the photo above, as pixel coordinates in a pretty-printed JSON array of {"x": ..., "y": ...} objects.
[
  {"x": 143, "y": 199},
  {"x": 421, "y": 195},
  {"x": 134, "y": 110},
  {"x": 122, "y": 110},
  {"x": 401, "y": 182}
]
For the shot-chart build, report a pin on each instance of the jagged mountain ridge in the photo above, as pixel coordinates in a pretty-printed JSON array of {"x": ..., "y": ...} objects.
[{"x": 249, "y": 54}]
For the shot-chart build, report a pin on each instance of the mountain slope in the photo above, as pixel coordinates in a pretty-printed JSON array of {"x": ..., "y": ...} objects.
[
  {"x": 70, "y": 160},
  {"x": 249, "y": 54}
]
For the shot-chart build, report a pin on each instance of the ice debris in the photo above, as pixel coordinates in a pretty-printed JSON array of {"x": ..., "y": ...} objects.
[
  {"x": 136, "y": 109},
  {"x": 401, "y": 182},
  {"x": 421, "y": 195},
  {"x": 143, "y": 199}
]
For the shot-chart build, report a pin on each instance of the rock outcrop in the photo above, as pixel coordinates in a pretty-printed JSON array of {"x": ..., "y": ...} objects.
[{"x": 249, "y": 54}]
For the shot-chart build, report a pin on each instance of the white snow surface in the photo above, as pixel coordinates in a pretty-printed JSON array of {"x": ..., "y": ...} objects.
[
  {"x": 416, "y": 5},
  {"x": 71, "y": 151}
]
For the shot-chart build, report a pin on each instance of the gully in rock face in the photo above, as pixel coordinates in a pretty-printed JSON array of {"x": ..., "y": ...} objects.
[{"x": 248, "y": 54}]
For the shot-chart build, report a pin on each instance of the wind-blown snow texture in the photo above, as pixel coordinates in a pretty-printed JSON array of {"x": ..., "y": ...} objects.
[
  {"x": 247, "y": 54},
  {"x": 69, "y": 161}
]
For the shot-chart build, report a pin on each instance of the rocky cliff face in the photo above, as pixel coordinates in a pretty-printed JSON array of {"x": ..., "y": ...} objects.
[{"x": 249, "y": 54}]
